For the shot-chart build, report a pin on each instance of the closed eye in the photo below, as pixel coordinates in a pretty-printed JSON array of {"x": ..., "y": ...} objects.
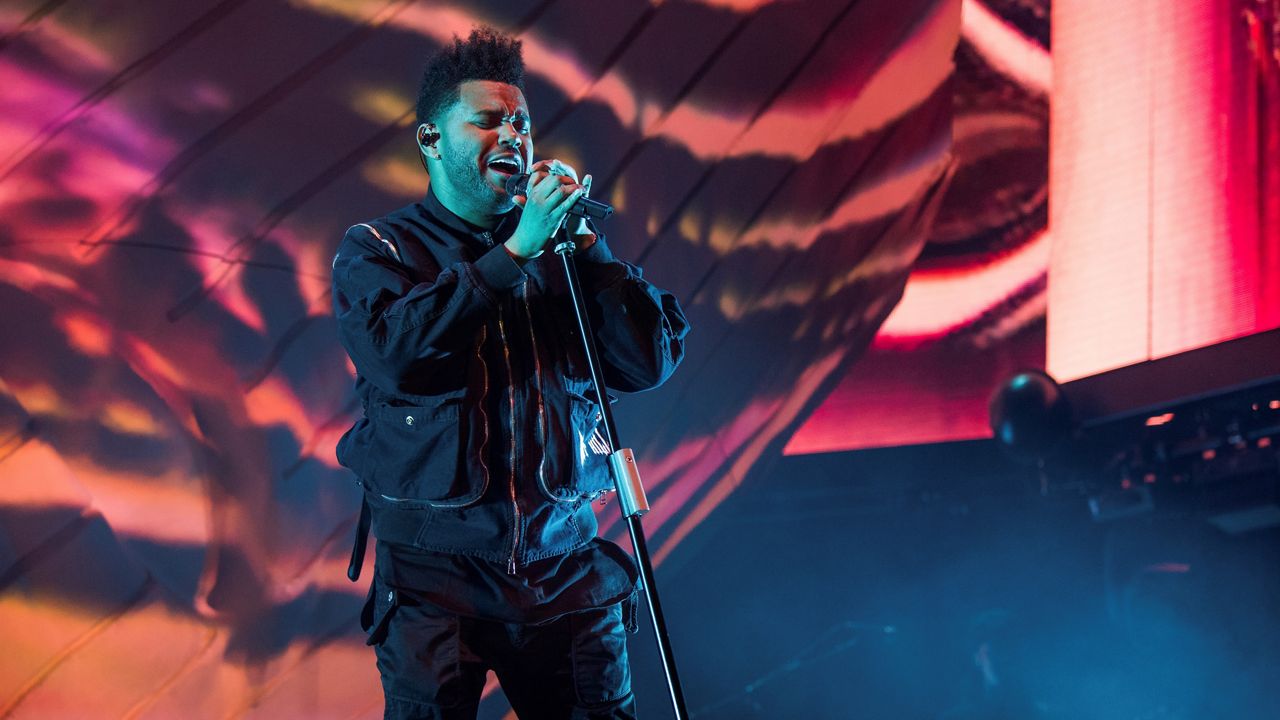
[{"x": 520, "y": 123}]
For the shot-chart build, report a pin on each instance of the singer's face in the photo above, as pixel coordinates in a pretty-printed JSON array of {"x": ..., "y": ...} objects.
[{"x": 484, "y": 139}]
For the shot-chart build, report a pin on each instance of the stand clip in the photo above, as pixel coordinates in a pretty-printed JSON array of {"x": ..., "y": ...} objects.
[{"x": 626, "y": 477}]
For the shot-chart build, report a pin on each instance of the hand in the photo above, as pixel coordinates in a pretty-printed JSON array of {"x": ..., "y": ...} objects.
[{"x": 553, "y": 188}]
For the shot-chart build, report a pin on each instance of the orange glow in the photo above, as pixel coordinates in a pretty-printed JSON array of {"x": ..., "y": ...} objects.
[
  {"x": 40, "y": 399},
  {"x": 86, "y": 334},
  {"x": 125, "y": 417},
  {"x": 215, "y": 231},
  {"x": 192, "y": 668},
  {"x": 396, "y": 176},
  {"x": 36, "y": 476},
  {"x": 1157, "y": 420},
  {"x": 154, "y": 364},
  {"x": 274, "y": 402},
  {"x": 172, "y": 508},
  {"x": 312, "y": 262},
  {"x": 30, "y": 277}
]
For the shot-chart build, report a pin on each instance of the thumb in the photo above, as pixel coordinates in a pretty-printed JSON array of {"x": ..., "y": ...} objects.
[{"x": 586, "y": 183}]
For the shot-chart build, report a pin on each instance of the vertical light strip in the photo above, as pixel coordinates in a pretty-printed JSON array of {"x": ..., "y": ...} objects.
[
  {"x": 1099, "y": 176},
  {"x": 1205, "y": 251}
]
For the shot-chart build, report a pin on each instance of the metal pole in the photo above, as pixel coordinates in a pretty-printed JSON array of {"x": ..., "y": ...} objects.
[{"x": 626, "y": 478}]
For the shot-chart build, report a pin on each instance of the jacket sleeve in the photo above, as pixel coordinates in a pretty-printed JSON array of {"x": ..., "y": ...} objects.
[
  {"x": 395, "y": 330},
  {"x": 639, "y": 328}
]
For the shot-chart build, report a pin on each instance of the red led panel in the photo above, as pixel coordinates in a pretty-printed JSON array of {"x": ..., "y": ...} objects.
[
  {"x": 1155, "y": 184},
  {"x": 1099, "y": 187}
]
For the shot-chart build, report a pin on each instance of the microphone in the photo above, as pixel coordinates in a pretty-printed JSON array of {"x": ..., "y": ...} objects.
[{"x": 584, "y": 207}]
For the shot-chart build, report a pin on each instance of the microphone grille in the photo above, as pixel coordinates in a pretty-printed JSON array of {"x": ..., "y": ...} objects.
[{"x": 517, "y": 184}]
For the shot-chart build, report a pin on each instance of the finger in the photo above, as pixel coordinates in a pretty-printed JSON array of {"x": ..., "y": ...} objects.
[
  {"x": 541, "y": 184},
  {"x": 543, "y": 173},
  {"x": 557, "y": 208},
  {"x": 562, "y": 168},
  {"x": 586, "y": 183},
  {"x": 569, "y": 199},
  {"x": 550, "y": 186}
]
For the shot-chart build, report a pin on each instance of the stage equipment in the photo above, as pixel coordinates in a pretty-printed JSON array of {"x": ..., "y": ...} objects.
[
  {"x": 1215, "y": 458},
  {"x": 622, "y": 462},
  {"x": 1030, "y": 416}
]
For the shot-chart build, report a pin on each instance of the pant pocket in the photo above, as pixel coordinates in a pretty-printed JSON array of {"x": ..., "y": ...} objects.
[
  {"x": 601, "y": 672},
  {"x": 420, "y": 660},
  {"x": 376, "y": 614}
]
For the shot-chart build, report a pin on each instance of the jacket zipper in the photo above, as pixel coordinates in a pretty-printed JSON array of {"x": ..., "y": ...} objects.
[
  {"x": 515, "y": 501},
  {"x": 484, "y": 416},
  {"x": 537, "y": 382}
]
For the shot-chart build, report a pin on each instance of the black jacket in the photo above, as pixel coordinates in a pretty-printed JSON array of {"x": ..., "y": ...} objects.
[{"x": 479, "y": 434}]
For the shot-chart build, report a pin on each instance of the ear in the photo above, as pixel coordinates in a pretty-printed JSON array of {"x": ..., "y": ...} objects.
[{"x": 428, "y": 135}]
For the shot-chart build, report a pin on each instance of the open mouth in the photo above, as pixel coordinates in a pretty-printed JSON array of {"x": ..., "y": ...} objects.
[{"x": 505, "y": 164}]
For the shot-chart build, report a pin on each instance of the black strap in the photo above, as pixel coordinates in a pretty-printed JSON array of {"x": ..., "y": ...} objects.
[{"x": 362, "y": 540}]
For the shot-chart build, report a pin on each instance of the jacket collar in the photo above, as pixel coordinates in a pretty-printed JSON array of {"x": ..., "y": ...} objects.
[{"x": 446, "y": 217}]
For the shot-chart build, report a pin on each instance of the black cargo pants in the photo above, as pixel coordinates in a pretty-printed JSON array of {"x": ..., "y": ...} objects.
[{"x": 433, "y": 664}]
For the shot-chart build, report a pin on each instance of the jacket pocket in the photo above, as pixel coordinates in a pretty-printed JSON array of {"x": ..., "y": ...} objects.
[
  {"x": 419, "y": 455},
  {"x": 590, "y": 475}
]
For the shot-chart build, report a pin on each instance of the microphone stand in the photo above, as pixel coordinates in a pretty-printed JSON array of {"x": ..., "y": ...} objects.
[{"x": 626, "y": 480}]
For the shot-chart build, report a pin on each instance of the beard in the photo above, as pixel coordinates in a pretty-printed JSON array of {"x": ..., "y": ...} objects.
[{"x": 466, "y": 178}]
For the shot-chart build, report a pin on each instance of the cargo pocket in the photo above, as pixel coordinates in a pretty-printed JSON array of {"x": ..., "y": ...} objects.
[
  {"x": 590, "y": 448},
  {"x": 376, "y": 614},
  {"x": 601, "y": 673},
  {"x": 419, "y": 456}
]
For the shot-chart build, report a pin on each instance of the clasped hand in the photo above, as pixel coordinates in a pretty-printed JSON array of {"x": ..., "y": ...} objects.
[{"x": 552, "y": 190}]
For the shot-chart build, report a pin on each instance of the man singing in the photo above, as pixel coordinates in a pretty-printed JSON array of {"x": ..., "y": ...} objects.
[{"x": 481, "y": 447}]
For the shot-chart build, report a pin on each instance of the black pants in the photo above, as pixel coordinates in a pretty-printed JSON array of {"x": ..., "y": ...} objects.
[{"x": 433, "y": 664}]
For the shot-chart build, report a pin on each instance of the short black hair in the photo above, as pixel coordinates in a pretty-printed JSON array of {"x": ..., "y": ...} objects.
[{"x": 485, "y": 55}]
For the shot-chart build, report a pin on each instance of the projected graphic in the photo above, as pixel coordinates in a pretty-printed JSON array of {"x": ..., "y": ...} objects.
[
  {"x": 850, "y": 198},
  {"x": 973, "y": 310},
  {"x": 174, "y": 178}
]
